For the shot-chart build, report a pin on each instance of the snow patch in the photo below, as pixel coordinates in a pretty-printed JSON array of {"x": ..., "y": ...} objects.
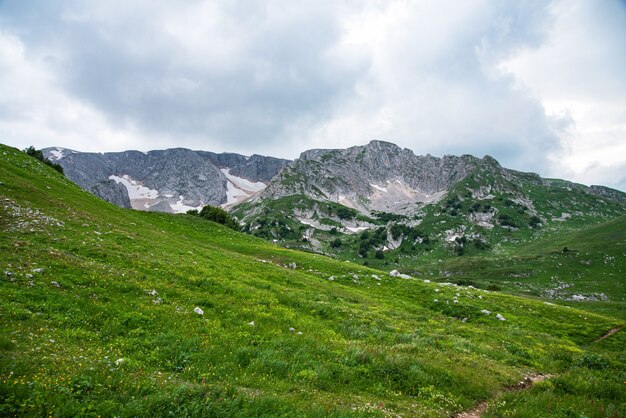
[
  {"x": 180, "y": 207},
  {"x": 238, "y": 188},
  {"x": 57, "y": 154},
  {"x": 233, "y": 194},
  {"x": 242, "y": 183},
  {"x": 136, "y": 190}
]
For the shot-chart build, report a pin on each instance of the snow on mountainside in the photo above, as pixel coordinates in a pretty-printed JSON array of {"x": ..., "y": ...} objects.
[
  {"x": 173, "y": 180},
  {"x": 376, "y": 177},
  {"x": 55, "y": 154},
  {"x": 240, "y": 189}
]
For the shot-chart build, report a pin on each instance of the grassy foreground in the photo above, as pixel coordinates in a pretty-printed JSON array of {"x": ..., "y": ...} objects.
[{"x": 97, "y": 319}]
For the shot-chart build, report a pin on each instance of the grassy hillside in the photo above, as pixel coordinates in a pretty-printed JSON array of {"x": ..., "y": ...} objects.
[
  {"x": 497, "y": 229},
  {"x": 585, "y": 268},
  {"x": 97, "y": 319}
]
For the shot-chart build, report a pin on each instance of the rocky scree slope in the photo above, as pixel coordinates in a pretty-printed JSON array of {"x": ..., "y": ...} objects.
[{"x": 172, "y": 180}]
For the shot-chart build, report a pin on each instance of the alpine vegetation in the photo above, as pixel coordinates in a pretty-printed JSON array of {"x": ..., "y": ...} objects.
[{"x": 108, "y": 311}]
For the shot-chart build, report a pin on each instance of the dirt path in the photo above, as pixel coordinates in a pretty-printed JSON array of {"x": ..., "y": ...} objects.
[
  {"x": 528, "y": 381},
  {"x": 608, "y": 334},
  {"x": 480, "y": 409}
]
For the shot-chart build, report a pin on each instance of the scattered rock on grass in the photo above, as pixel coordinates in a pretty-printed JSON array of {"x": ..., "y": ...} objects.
[{"x": 198, "y": 311}]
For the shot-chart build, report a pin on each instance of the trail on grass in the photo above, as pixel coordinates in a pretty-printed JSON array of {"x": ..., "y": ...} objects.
[
  {"x": 528, "y": 381},
  {"x": 480, "y": 409},
  {"x": 608, "y": 334}
]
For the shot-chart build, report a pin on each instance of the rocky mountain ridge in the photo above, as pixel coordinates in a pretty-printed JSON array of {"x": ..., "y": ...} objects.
[
  {"x": 377, "y": 177},
  {"x": 384, "y": 201},
  {"x": 172, "y": 180}
]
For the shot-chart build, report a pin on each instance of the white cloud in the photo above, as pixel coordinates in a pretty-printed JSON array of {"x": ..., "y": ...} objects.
[{"x": 580, "y": 72}]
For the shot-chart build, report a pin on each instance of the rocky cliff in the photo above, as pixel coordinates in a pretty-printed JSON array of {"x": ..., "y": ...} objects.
[
  {"x": 378, "y": 176},
  {"x": 172, "y": 180}
]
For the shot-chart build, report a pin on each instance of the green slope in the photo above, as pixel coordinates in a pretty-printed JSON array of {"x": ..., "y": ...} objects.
[
  {"x": 96, "y": 319},
  {"x": 586, "y": 267}
]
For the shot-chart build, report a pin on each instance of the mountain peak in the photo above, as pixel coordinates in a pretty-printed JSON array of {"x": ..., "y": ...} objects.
[{"x": 379, "y": 144}]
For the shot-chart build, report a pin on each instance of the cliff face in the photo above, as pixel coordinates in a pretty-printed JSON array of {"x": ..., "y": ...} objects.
[
  {"x": 172, "y": 180},
  {"x": 377, "y": 176}
]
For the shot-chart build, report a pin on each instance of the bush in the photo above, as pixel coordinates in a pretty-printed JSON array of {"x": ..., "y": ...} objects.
[
  {"x": 345, "y": 213},
  {"x": 37, "y": 154},
  {"x": 592, "y": 361},
  {"x": 219, "y": 215},
  {"x": 534, "y": 221}
]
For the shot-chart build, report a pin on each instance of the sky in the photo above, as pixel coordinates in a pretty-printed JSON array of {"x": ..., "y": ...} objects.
[{"x": 539, "y": 85}]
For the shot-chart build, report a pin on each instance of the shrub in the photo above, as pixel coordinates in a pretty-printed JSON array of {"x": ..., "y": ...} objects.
[
  {"x": 534, "y": 221},
  {"x": 37, "y": 154},
  {"x": 219, "y": 215},
  {"x": 592, "y": 361}
]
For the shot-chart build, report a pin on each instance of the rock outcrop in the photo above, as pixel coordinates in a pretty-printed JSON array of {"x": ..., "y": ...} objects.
[{"x": 172, "y": 180}]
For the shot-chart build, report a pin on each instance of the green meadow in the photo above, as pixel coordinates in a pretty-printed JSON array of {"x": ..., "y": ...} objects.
[{"x": 98, "y": 318}]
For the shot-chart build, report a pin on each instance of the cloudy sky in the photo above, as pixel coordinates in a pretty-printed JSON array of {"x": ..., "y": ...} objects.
[{"x": 539, "y": 85}]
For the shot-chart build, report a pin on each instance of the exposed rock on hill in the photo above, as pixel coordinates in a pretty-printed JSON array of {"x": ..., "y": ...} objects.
[{"x": 173, "y": 180}]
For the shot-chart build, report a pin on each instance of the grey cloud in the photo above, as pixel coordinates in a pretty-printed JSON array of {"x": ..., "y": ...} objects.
[
  {"x": 278, "y": 77},
  {"x": 132, "y": 70}
]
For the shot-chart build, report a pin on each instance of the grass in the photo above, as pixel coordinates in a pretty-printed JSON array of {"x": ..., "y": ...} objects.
[{"x": 97, "y": 319}]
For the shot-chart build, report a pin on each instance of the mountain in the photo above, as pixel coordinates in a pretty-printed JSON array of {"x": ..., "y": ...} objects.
[
  {"x": 378, "y": 176},
  {"x": 383, "y": 206},
  {"x": 381, "y": 176},
  {"x": 173, "y": 180},
  {"x": 107, "y": 311}
]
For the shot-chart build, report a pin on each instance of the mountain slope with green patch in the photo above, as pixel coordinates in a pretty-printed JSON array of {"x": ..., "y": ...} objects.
[
  {"x": 495, "y": 227},
  {"x": 98, "y": 318}
]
